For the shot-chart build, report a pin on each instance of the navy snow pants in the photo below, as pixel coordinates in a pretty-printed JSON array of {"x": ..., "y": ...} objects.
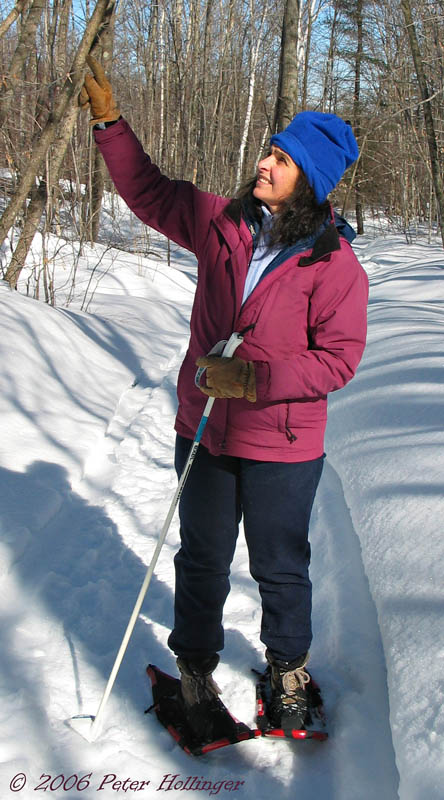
[{"x": 275, "y": 500}]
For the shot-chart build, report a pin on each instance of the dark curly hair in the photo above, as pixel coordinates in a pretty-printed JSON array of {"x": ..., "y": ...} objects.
[{"x": 301, "y": 215}]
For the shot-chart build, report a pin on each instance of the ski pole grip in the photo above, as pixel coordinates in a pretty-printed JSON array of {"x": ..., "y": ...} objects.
[{"x": 225, "y": 348}]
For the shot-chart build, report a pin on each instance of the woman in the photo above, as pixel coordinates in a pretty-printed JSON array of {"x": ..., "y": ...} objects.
[{"x": 271, "y": 263}]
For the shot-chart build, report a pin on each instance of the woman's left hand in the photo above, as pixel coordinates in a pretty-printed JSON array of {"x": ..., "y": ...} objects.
[{"x": 228, "y": 377}]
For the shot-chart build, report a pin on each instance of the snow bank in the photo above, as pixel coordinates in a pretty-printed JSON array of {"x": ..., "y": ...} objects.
[{"x": 386, "y": 439}]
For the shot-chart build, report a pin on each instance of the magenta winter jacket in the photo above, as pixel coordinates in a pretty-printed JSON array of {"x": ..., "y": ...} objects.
[{"x": 309, "y": 314}]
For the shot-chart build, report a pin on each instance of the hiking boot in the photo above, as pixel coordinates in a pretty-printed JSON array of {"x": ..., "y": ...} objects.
[
  {"x": 200, "y": 697},
  {"x": 290, "y": 704},
  {"x": 196, "y": 679}
]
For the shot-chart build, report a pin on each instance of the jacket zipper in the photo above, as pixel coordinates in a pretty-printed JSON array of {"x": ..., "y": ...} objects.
[{"x": 288, "y": 432}]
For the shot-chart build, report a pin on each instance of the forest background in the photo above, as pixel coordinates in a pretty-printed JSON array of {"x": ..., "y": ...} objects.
[{"x": 204, "y": 83}]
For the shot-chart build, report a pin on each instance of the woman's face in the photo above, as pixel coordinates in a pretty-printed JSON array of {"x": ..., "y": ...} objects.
[{"x": 277, "y": 176}]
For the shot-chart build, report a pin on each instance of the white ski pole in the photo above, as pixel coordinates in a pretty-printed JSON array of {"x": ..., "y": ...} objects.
[{"x": 86, "y": 724}]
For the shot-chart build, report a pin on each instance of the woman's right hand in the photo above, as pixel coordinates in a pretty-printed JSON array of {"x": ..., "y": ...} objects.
[{"x": 97, "y": 93}]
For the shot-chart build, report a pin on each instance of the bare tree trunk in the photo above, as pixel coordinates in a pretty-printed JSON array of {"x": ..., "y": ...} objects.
[
  {"x": 26, "y": 42},
  {"x": 103, "y": 52},
  {"x": 192, "y": 69},
  {"x": 308, "y": 17},
  {"x": 287, "y": 96},
  {"x": 177, "y": 41},
  {"x": 162, "y": 69},
  {"x": 33, "y": 216},
  {"x": 202, "y": 136},
  {"x": 18, "y": 9},
  {"x": 39, "y": 196},
  {"x": 47, "y": 77},
  {"x": 57, "y": 130},
  {"x": 428, "y": 115},
  {"x": 62, "y": 38},
  {"x": 327, "y": 93},
  {"x": 357, "y": 115},
  {"x": 254, "y": 55},
  {"x": 220, "y": 95}
]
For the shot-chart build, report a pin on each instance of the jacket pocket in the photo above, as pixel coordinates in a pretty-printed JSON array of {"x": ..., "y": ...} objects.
[{"x": 296, "y": 414}]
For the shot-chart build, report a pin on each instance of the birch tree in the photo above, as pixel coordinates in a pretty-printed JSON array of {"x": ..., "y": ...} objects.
[
  {"x": 435, "y": 164},
  {"x": 254, "y": 47}
]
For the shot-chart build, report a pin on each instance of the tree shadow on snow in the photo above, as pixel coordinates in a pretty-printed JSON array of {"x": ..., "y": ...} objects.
[{"x": 68, "y": 558}]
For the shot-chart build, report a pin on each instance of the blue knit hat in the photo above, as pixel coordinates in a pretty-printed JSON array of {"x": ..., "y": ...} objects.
[{"x": 323, "y": 145}]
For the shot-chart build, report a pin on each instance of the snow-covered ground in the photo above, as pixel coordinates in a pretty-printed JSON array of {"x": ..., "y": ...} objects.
[{"x": 87, "y": 408}]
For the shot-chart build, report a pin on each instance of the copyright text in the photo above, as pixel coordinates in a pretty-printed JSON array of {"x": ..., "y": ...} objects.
[{"x": 110, "y": 781}]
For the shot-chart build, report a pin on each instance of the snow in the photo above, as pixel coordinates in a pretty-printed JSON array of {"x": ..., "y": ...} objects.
[{"x": 87, "y": 404}]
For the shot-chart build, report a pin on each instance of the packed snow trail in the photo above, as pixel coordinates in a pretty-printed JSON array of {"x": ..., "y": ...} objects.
[
  {"x": 141, "y": 479},
  {"x": 386, "y": 436}
]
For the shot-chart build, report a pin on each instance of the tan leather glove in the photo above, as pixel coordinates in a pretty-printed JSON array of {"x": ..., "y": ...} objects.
[
  {"x": 228, "y": 377},
  {"x": 97, "y": 93}
]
